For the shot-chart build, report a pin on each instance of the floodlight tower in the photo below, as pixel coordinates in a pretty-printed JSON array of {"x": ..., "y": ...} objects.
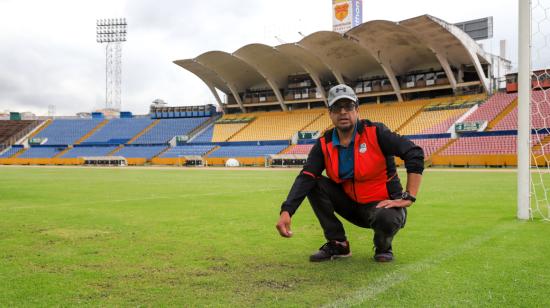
[{"x": 112, "y": 32}]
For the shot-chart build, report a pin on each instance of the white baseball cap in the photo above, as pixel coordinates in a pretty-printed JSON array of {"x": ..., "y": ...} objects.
[{"x": 339, "y": 92}]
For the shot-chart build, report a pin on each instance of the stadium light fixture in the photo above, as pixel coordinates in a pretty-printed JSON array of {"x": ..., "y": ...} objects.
[{"x": 112, "y": 32}]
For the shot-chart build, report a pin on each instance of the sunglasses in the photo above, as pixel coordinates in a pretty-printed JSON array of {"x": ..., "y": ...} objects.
[{"x": 347, "y": 106}]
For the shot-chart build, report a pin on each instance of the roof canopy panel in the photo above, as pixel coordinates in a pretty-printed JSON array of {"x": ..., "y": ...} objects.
[
  {"x": 341, "y": 54},
  {"x": 233, "y": 70},
  {"x": 270, "y": 62},
  {"x": 395, "y": 45},
  {"x": 308, "y": 60},
  {"x": 439, "y": 36},
  {"x": 204, "y": 73}
]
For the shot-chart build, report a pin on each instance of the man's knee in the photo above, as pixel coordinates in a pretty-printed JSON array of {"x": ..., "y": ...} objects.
[
  {"x": 321, "y": 188},
  {"x": 389, "y": 220}
]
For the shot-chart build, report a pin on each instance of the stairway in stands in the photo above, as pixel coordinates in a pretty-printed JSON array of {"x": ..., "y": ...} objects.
[
  {"x": 58, "y": 155},
  {"x": 23, "y": 150},
  {"x": 115, "y": 150},
  {"x": 41, "y": 128},
  {"x": 538, "y": 147},
  {"x": 95, "y": 129},
  {"x": 148, "y": 128},
  {"x": 502, "y": 114}
]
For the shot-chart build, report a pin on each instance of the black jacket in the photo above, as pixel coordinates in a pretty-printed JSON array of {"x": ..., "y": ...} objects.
[{"x": 391, "y": 144}]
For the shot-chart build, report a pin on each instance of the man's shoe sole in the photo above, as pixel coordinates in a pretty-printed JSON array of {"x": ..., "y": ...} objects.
[
  {"x": 383, "y": 259},
  {"x": 335, "y": 257}
]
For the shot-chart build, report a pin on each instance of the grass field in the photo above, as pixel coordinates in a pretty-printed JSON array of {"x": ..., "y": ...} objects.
[{"x": 132, "y": 237}]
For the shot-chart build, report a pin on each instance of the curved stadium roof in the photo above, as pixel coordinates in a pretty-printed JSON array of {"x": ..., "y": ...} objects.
[{"x": 375, "y": 48}]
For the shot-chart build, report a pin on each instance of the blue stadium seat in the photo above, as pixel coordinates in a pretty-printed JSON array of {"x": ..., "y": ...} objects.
[
  {"x": 118, "y": 131},
  {"x": 11, "y": 151},
  {"x": 41, "y": 152},
  {"x": 166, "y": 129},
  {"x": 187, "y": 150},
  {"x": 205, "y": 136},
  {"x": 147, "y": 152},
  {"x": 247, "y": 150},
  {"x": 65, "y": 132},
  {"x": 88, "y": 151}
]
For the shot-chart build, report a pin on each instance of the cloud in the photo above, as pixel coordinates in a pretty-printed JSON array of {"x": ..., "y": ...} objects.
[{"x": 48, "y": 54}]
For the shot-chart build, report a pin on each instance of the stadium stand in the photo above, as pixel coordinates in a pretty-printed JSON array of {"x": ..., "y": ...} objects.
[
  {"x": 10, "y": 152},
  {"x": 187, "y": 150},
  {"x": 65, "y": 132},
  {"x": 492, "y": 107},
  {"x": 509, "y": 122},
  {"x": 247, "y": 150},
  {"x": 298, "y": 149},
  {"x": 146, "y": 152},
  {"x": 277, "y": 125},
  {"x": 12, "y": 130},
  {"x": 144, "y": 131},
  {"x": 540, "y": 113},
  {"x": 431, "y": 145},
  {"x": 205, "y": 136},
  {"x": 166, "y": 129},
  {"x": 88, "y": 151},
  {"x": 91, "y": 132},
  {"x": 393, "y": 115},
  {"x": 321, "y": 124},
  {"x": 41, "y": 152},
  {"x": 222, "y": 132},
  {"x": 149, "y": 138},
  {"x": 542, "y": 144},
  {"x": 430, "y": 119},
  {"x": 482, "y": 145},
  {"x": 444, "y": 126},
  {"x": 118, "y": 131}
]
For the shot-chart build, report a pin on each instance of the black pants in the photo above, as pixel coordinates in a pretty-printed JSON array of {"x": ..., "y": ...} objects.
[{"x": 328, "y": 197}]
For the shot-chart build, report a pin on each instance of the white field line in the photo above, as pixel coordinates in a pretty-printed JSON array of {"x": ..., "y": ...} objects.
[{"x": 383, "y": 284}]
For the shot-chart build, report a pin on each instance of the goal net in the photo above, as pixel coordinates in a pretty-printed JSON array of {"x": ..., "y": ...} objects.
[{"x": 539, "y": 115}]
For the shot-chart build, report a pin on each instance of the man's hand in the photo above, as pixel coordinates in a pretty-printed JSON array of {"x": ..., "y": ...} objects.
[
  {"x": 394, "y": 203},
  {"x": 283, "y": 225}
]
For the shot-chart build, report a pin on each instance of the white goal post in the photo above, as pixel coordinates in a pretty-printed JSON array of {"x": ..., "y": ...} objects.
[
  {"x": 533, "y": 142},
  {"x": 524, "y": 107}
]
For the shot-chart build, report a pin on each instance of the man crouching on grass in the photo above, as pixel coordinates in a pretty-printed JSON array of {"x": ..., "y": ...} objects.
[{"x": 362, "y": 184}]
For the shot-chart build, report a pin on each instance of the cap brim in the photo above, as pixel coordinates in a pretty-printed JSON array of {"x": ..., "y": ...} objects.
[{"x": 351, "y": 98}]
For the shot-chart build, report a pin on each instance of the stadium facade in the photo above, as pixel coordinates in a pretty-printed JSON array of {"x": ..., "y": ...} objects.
[
  {"x": 381, "y": 59},
  {"x": 423, "y": 77}
]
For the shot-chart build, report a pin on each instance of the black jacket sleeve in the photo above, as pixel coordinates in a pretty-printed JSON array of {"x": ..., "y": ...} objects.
[
  {"x": 306, "y": 180},
  {"x": 396, "y": 145}
]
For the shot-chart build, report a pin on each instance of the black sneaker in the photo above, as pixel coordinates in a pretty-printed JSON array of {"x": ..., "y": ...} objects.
[
  {"x": 382, "y": 247},
  {"x": 383, "y": 256},
  {"x": 331, "y": 250}
]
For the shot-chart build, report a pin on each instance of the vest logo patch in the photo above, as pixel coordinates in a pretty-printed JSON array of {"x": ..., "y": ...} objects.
[{"x": 362, "y": 148}]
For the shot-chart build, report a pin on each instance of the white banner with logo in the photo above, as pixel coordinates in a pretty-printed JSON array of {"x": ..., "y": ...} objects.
[{"x": 346, "y": 14}]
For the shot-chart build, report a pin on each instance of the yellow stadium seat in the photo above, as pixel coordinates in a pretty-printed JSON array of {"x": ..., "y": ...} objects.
[{"x": 276, "y": 125}]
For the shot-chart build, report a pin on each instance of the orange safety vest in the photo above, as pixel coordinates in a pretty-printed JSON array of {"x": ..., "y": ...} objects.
[{"x": 369, "y": 167}]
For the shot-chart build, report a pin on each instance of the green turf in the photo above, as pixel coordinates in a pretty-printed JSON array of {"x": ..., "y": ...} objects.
[{"x": 132, "y": 237}]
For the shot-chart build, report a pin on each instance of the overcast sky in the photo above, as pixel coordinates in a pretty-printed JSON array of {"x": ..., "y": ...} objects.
[{"x": 49, "y": 56}]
